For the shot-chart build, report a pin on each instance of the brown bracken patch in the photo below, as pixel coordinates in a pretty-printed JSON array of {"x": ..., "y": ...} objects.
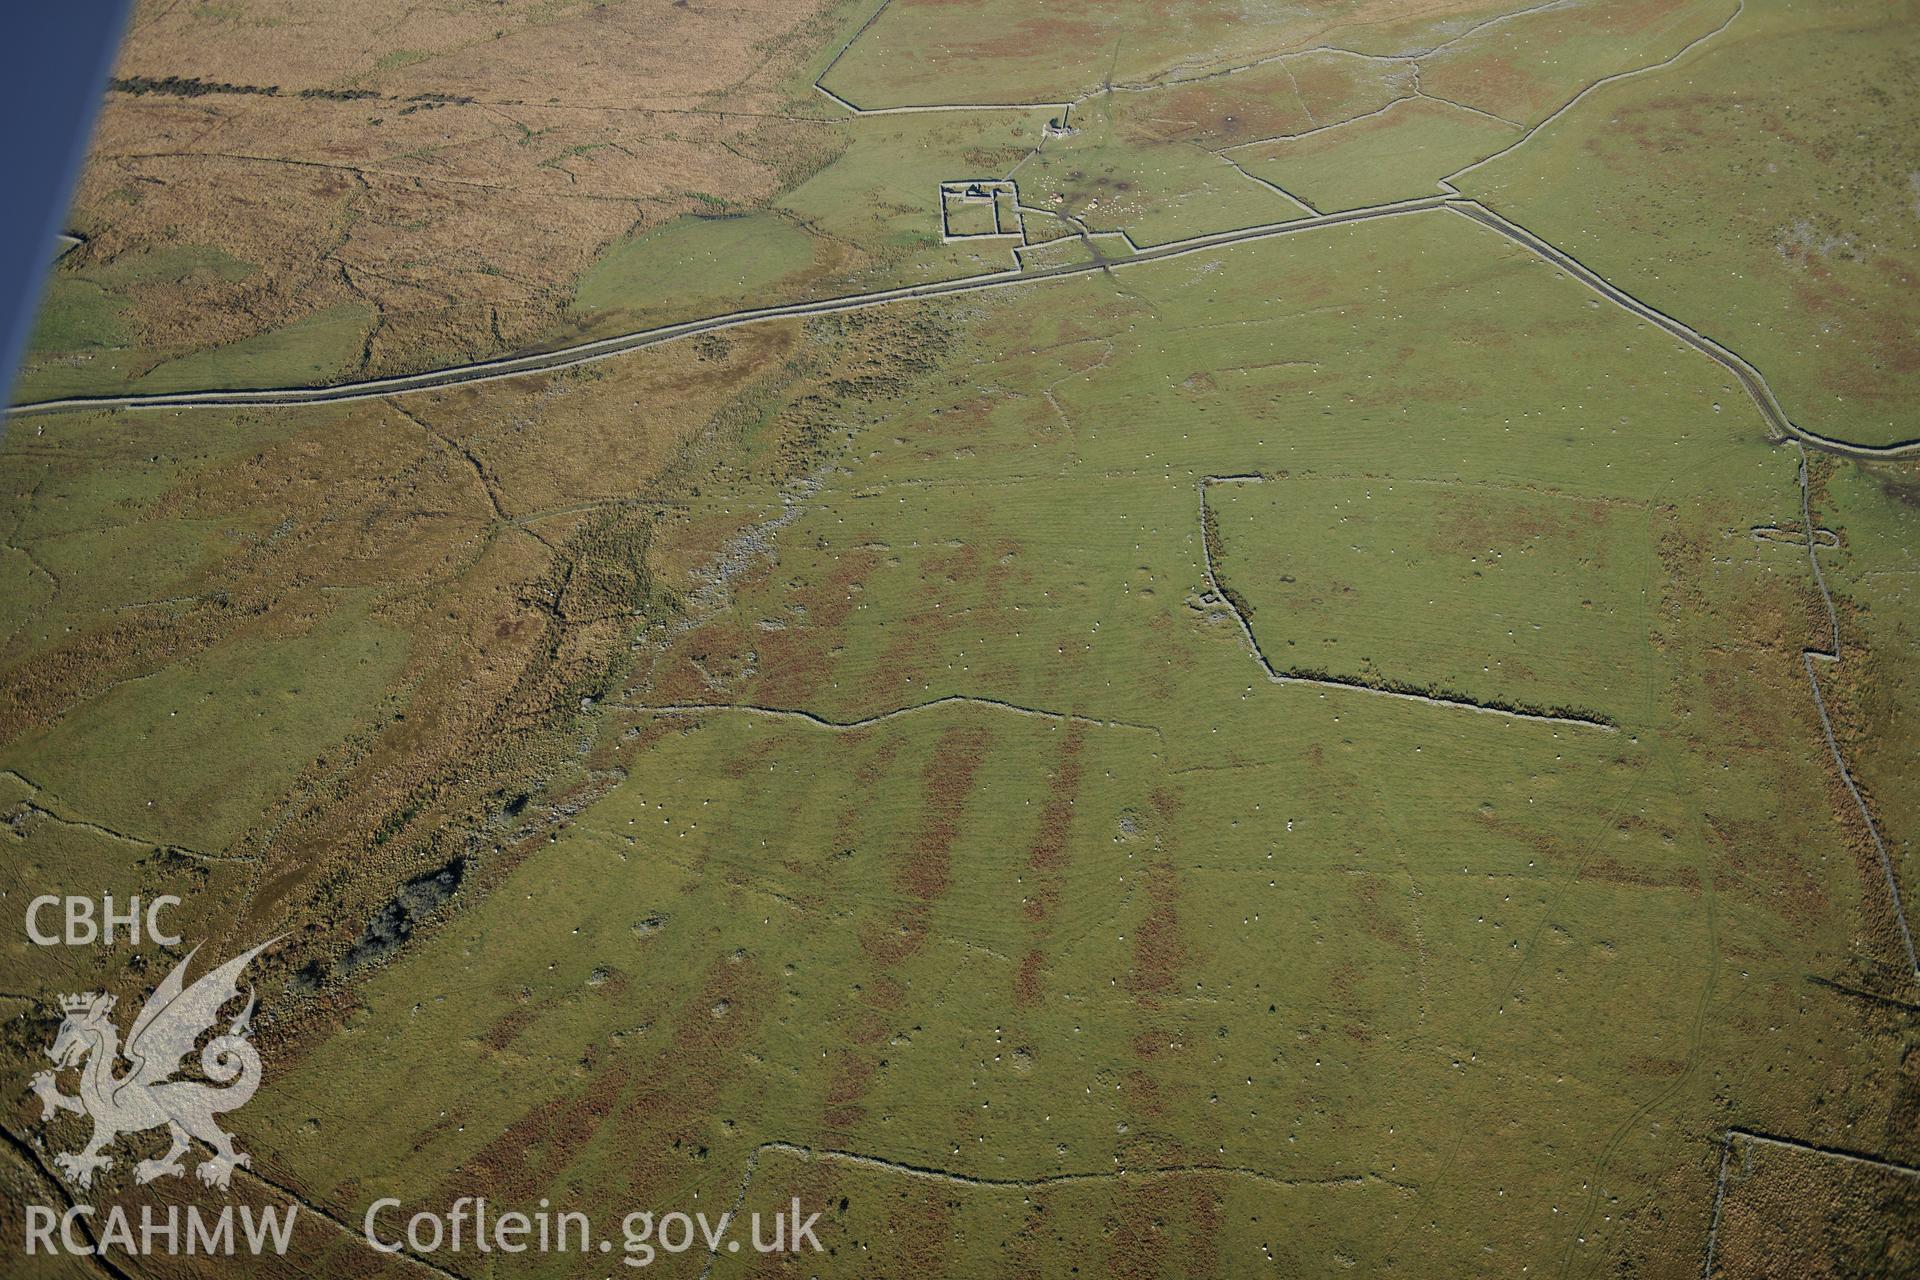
[{"x": 946, "y": 786}]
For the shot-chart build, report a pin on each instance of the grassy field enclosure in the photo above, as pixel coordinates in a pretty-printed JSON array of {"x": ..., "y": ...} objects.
[
  {"x": 1876, "y": 572},
  {"x": 1486, "y": 594},
  {"x": 1770, "y": 203},
  {"x": 1401, "y": 152},
  {"x": 1153, "y": 191}
]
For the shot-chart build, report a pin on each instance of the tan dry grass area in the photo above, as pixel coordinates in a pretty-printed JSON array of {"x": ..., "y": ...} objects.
[{"x": 462, "y": 199}]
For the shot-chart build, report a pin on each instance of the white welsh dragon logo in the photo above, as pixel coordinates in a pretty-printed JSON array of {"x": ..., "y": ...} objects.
[{"x": 144, "y": 1097}]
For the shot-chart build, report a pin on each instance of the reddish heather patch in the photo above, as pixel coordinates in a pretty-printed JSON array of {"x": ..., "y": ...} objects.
[
  {"x": 641, "y": 738},
  {"x": 900, "y": 937},
  {"x": 794, "y": 662},
  {"x": 947, "y": 784},
  {"x": 727, "y": 984},
  {"x": 660, "y": 1119},
  {"x": 884, "y": 992},
  {"x": 869, "y": 1028},
  {"x": 1039, "y": 1224},
  {"x": 1375, "y": 920},
  {"x": 1493, "y": 82},
  {"x": 1026, "y": 982},
  {"x": 1203, "y": 1227},
  {"x": 508, "y": 1029},
  {"x": 1143, "y": 1093},
  {"x": 961, "y": 564},
  {"x": 875, "y": 769},
  {"x": 521, "y": 1162},
  {"x": 1877, "y": 340},
  {"x": 916, "y": 641},
  {"x": 1545, "y": 845},
  {"x": 752, "y": 759},
  {"x": 939, "y": 609},
  {"x": 847, "y": 824},
  {"x": 1749, "y": 860},
  {"x": 920, "y": 1232},
  {"x": 1157, "y": 950},
  {"x": 1667, "y": 124},
  {"x": 970, "y": 419},
  {"x": 831, "y": 604},
  {"x": 1611, "y": 870},
  {"x": 1047, "y": 858},
  {"x": 1049, "y": 849},
  {"x": 1261, "y": 106},
  {"x": 1017, "y": 41},
  {"x": 1137, "y": 1233},
  {"x": 722, "y": 650},
  {"x": 793, "y": 667},
  {"x": 847, "y": 1085},
  {"x": 676, "y": 680}
]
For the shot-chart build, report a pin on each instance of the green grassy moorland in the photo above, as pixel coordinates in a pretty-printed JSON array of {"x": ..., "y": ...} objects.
[
  {"x": 1770, "y": 203},
  {"x": 1505, "y": 596},
  {"x": 81, "y": 344},
  {"x": 1439, "y": 992}
]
